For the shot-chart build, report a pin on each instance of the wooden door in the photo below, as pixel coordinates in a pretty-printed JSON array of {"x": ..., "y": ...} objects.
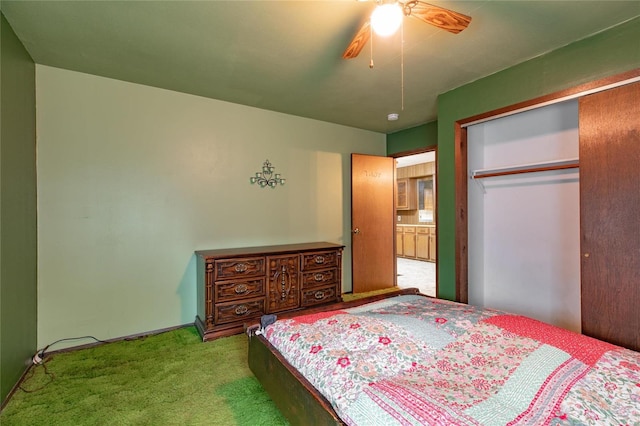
[
  {"x": 372, "y": 222},
  {"x": 609, "y": 215}
]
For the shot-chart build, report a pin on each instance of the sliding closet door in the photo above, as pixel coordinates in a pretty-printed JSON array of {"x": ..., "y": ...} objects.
[{"x": 610, "y": 214}]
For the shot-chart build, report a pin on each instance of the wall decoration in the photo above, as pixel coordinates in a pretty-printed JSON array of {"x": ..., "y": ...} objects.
[{"x": 266, "y": 176}]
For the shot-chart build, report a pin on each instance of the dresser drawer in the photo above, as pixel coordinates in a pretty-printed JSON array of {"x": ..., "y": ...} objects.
[
  {"x": 239, "y": 267},
  {"x": 319, "y": 260},
  {"x": 319, "y": 278},
  {"x": 236, "y": 311},
  {"x": 236, "y": 286},
  {"x": 316, "y": 296},
  {"x": 239, "y": 289}
]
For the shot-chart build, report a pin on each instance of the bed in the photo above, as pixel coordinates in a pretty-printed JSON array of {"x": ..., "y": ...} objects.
[{"x": 410, "y": 359}]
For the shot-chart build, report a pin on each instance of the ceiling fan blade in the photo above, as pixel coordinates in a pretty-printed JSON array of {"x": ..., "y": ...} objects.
[
  {"x": 359, "y": 40},
  {"x": 440, "y": 17}
]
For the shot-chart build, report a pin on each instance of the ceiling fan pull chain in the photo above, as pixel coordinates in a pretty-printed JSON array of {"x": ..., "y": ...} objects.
[
  {"x": 402, "y": 65},
  {"x": 371, "y": 46}
]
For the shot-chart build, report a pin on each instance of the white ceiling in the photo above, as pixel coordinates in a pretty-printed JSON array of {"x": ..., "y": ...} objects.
[
  {"x": 286, "y": 55},
  {"x": 410, "y": 160}
]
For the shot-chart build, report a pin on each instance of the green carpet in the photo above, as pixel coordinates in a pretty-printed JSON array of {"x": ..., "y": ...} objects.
[
  {"x": 166, "y": 379},
  {"x": 170, "y": 378}
]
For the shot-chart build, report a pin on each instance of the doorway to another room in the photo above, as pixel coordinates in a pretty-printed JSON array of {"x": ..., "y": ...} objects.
[{"x": 416, "y": 221}]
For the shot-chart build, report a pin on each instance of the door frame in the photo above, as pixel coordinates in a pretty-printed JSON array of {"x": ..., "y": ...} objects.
[
  {"x": 428, "y": 148},
  {"x": 460, "y": 155}
]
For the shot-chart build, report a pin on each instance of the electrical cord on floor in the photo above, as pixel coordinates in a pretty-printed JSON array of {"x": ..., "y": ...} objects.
[
  {"x": 39, "y": 356},
  {"x": 38, "y": 360},
  {"x": 30, "y": 375}
]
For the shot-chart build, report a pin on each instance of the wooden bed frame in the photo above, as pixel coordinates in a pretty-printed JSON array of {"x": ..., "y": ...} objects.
[{"x": 298, "y": 400}]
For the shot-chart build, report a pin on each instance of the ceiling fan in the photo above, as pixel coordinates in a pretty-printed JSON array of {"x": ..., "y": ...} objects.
[{"x": 440, "y": 17}]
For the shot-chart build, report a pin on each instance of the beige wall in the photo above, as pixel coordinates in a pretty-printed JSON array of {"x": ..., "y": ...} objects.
[{"x": 133, "y": 179}]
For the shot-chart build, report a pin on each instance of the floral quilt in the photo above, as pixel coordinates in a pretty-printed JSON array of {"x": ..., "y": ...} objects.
[{"x": 413, "y": 360}]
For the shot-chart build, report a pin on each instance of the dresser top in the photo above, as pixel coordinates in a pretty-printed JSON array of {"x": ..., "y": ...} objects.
[{"x": 284, "y": 248}]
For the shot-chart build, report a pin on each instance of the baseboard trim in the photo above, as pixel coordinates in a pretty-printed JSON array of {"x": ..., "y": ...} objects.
[
  {"x": 90, "y": 345},
  {"x": 119, "y": 339},
  {"x": 15, "y": 386}
]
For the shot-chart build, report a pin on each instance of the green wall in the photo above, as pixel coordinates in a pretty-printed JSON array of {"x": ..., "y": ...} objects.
[
  {"x": 18, "y": 222},
  {"x": 608, "y": 53},
  {"x": 413, "y": 138}
]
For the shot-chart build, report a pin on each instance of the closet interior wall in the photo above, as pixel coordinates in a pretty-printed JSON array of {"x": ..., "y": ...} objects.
[{"x": 524, "y": 228}]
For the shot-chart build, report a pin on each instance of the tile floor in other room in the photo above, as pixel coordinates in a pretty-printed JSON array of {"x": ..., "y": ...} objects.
[{"x": 417, "y": 273}]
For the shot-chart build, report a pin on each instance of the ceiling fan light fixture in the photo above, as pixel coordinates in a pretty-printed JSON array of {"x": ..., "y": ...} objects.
[{"x": 386, "y": 19}]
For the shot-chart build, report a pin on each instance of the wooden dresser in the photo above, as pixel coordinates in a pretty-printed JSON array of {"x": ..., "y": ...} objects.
[{"x": 236, "y": 285}]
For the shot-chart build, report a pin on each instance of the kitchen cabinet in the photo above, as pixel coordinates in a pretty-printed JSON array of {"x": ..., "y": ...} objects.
[
  {"x": 409, "y": 241},
  {"x": 432, "y": 244},
  {"x": 416, "y": 242},
  {"x": 422, "y": 243},
  {"x": 406, "y": 198},
  {"x": 399, "y": 241}
]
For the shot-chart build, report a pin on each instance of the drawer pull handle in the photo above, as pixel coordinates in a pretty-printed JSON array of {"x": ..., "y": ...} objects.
[
  {"x": 318, "y": 277},
  {"x": 319, "y": 259},
  {"x": 241, "y": 310},
  {"x": 240, "y": 288},
  {"x": 241, "y": 267},
  {"x": 319, "y": 295}
]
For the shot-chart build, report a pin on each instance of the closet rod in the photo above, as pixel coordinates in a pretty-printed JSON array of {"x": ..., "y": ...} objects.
[{"x": 527, "y": 168}]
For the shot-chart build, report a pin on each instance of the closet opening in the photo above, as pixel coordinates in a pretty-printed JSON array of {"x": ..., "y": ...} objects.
[
  {"x": 607, "y": 130},
  {"x": 523, "y": 214}
]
